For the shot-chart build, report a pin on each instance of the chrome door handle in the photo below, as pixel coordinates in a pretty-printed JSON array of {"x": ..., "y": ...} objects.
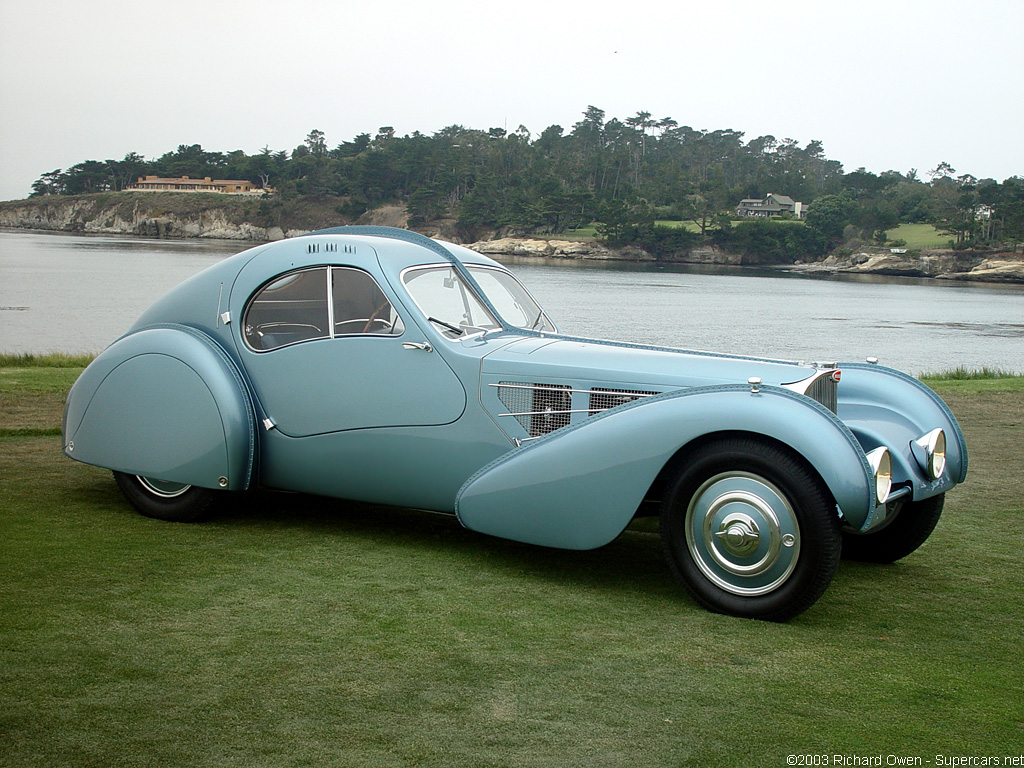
[{"x": 417, "y": 345}]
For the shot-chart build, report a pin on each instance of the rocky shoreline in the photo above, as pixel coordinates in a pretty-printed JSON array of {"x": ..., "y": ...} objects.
[
  {"x": 942, "y": 265},
  {"x": 532, "y": 247},
  {"x": 153, "y": 216}
]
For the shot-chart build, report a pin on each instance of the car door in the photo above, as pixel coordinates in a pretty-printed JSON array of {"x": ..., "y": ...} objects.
[{"x": 327, "y": 349}]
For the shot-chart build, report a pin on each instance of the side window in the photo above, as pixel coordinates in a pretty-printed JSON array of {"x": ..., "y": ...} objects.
[
  {"x": 288, "y": 310},
  {"x": 306, "y": 305},
  {"x": 360, "y": 306}
]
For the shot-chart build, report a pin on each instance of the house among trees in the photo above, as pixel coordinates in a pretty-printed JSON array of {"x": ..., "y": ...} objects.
[
  {"x": 773, "y": 205},
  {"x": 185, "y": 184}
]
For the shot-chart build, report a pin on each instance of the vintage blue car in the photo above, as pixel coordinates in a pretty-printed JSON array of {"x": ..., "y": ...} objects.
[{"x": 379, "y": 365}]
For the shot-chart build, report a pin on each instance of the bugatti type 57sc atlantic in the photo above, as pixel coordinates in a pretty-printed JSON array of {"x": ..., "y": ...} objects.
[{"x": 378, "y": 365}]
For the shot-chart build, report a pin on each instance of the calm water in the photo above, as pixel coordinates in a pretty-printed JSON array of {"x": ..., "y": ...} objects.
[{"x": 76, "y": 293}]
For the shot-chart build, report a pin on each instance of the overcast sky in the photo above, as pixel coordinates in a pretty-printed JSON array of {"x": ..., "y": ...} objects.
[{"x": 884, "y": 85}]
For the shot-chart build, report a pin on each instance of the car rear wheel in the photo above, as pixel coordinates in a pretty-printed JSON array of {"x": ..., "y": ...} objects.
[
  {"x": 750, "y": 530},
  {"x": 165, "y": 500},
  {"x": 908, "y": 527}
]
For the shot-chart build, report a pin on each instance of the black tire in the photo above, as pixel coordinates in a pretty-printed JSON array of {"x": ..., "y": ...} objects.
[
  {"x": 173, "y": 502},
  {"x": 778, "y": 542},
  {"x": 906, "y": 530}
]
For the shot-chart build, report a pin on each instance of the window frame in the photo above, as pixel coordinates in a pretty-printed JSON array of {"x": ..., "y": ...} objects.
[{"x": 329, "y": 296}]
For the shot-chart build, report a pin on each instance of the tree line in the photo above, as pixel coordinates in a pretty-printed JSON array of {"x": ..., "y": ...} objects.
[{"x": 624, "y": 175}]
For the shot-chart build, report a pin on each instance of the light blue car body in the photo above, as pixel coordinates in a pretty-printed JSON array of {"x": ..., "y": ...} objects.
[{"x": 419, "y": 419}]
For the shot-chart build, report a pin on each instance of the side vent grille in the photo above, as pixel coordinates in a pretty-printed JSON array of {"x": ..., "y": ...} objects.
[
  {"x": 539, "y": 408},
  {"x": 543, "y": 408},
  {"x": 602, "y": 399}
]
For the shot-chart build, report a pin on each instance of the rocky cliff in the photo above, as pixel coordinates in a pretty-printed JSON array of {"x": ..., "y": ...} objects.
[{"x": 150, "y": 215}]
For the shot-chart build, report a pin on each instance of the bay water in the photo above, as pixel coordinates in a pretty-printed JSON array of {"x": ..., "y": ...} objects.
[{"x": 78, "y": 293}]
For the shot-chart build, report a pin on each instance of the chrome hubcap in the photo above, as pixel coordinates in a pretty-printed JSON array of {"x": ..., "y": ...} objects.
[
  {"x": 742, "y": 533},
  {"x": 738, "y": 534},
  {"x": 165, "y": 489}
]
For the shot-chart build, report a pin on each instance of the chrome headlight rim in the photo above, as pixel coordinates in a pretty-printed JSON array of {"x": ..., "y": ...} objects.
[
  {"x": 880, "y": 460},
  {"x": 930, "y": 453}
]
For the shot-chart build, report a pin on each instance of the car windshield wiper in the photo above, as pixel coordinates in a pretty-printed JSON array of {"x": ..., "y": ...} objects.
[{"x": 449, "y": 326}]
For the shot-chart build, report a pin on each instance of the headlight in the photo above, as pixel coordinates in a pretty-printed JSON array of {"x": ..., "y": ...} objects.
[
  {"x": 881, "y": 464},
  {"x": 930, "y": 452}
]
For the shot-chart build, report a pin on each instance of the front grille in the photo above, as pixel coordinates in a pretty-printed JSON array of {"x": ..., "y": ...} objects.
[
  {"x": 602, "y": 399},
  {"x": 825, "y": 390}
]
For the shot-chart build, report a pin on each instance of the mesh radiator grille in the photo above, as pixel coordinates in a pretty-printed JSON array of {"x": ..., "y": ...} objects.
[
  {"x": 539, "y": 408},
  {"x": 602, "y": 399}
]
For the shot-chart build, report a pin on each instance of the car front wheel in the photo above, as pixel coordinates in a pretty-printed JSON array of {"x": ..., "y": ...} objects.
[
  {"x": 165, "y": 500},
  {"x": 908, "y": 526},
  {"x": 750, "y": 530}
]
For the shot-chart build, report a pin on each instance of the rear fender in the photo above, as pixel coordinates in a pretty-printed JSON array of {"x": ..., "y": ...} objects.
[
  {"x": 579, "y": 487},
  {"x": 165, "y": 402}
]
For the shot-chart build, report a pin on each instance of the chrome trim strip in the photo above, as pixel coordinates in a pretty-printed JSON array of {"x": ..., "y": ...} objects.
[
  {"x": 557, "y": 388},
  {"x": 330, "y": 301},
  {"x": 535, "y": 387},
  {"x": 546, "y": 413}
]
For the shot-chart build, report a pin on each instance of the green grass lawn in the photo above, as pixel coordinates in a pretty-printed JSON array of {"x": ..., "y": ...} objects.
[
  {"x": 919, "y": 236},
  {"x": 588, "y": 232},
  {"x": 296, "y": 631},
  {"x": 671, "y": 224}
]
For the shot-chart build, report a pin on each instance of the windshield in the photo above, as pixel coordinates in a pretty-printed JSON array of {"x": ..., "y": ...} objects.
[
  {"x": 511, "y": 299},
  {"x": 455, "y": 310}
]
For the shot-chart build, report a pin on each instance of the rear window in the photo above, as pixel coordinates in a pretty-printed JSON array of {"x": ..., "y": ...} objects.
[{"x": 288, "y": 310}]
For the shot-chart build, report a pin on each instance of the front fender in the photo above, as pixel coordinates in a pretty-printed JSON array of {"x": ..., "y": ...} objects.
[
  {"x": 579, "y": 487},
  {"x": 164, "y": 402},
  {"x": 883, "y": 406}
]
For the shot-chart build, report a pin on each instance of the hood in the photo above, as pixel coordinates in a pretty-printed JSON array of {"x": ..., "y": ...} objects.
[{"x": 630, "y": 366}]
